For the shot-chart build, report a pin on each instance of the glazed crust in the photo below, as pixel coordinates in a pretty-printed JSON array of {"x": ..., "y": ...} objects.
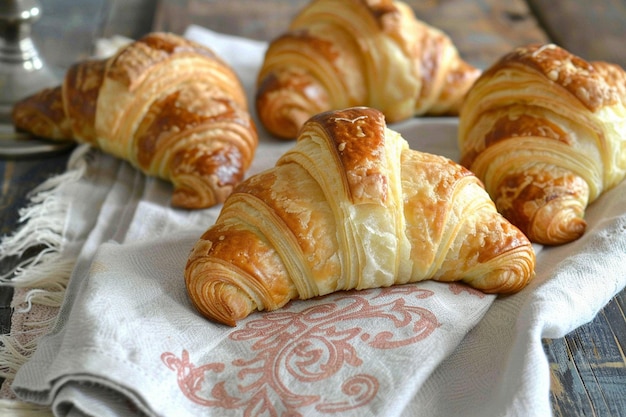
[
  {"x": 344, "y": 53},
  {"x": 350, "y": 206},
  {"x": 167, "y": 105},
  {"x": 544, "y": 129}
]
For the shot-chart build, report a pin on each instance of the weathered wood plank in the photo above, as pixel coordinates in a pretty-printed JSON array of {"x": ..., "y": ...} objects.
[
  {"x": 482, "y": 30},
  {"x": 588, "y": 366},
  {"x": 594, "y": 30}
]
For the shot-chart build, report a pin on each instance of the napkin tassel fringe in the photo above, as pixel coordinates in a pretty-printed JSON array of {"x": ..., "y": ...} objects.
[{"x": 39, "y": 281}]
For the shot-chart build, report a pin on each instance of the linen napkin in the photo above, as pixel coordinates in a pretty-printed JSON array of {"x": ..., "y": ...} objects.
[{"x": 127, "y": 341}]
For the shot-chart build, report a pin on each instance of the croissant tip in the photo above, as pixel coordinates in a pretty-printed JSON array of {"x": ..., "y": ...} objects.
[
  {"x": 560, "y": 231},
  {"x": 219, "y": 301},
  {"x": 219, "y": 312},
  {"x": 288, "y": 125},
  {"x": 520, "y": 271},
  {"x": 191, "y": 197},
  {"x": 226, "y": 321}
]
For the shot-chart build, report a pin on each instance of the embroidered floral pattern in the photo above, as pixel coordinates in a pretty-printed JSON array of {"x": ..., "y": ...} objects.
[
  {"x": 458, "y": 287},
  {"x": 291, "y": 349}
]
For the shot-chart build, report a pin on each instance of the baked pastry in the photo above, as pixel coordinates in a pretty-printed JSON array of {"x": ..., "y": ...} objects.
[
  {"x": 350, "y": 206},
  {"x": 343, "y": 53},
  {"x": 545, "y": 131},
  {"x": 169, "y": 106}
]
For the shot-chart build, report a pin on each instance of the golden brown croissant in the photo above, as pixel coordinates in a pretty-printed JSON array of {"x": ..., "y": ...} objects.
[
  {"x": 350, "y": 206},
  {"x": 546, "y": 132},
  {"x": 343, "y": 53},
  {"x": 169, "y": 106}
]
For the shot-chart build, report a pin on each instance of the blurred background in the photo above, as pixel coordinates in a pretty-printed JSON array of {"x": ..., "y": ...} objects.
[
  {"x": 68, "y": 29},
  {"x": 481, "y": 29}
]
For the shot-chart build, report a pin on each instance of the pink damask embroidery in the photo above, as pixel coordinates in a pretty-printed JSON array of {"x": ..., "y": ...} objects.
[
  {"x": 457, "y": 288},
  {"x": 290, "y": 349}
]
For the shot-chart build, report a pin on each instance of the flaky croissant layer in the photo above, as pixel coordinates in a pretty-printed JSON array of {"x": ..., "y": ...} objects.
[
  {"x": 342, "y": 53},
  {"x": 545, "y": 131},
  {"x": 350, "y": 206},
  {"x": 167, "y": 105}
]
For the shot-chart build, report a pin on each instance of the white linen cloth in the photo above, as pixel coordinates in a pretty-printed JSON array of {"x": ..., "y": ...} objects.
[{"x": 127, "y": 341}]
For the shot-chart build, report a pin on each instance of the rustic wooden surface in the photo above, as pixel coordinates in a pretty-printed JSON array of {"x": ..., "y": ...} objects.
[
  {"x": 589, "y": 365},
  {"x": 595, "y": 30}
]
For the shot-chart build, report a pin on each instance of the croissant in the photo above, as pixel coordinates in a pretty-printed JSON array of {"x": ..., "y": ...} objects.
[
  {"x": 545, "y": 131},
  {"x": 351, "y": 206},
  {"x": 167, "y": 105},
  {"x": 344, "y": 53}
]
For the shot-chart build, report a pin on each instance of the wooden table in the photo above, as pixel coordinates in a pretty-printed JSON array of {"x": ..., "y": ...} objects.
[{"x": 588, "y": 365}]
